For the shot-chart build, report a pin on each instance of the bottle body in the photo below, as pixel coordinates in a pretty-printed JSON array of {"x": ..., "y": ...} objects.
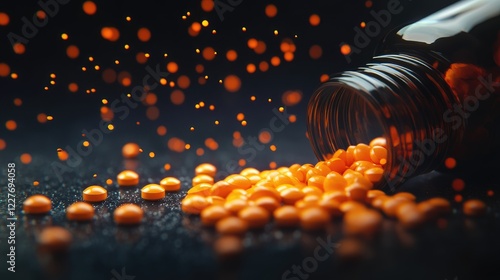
[{"x": 433, "y": 93}]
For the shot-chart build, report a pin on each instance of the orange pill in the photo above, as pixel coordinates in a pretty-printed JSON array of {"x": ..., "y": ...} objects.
[
  {"x": 254, "y": 179},
  {"x": 239, "y": 181},
  {"x": 206, "y": 169},
  {"x": 349, "y": 206},
  {"x": 374, "y": 174},
  {"x": 372, "y": 194},
  {"x": 203, "y": 178},
  {"x": 227, "y": 247},
  {"x": 390, "y": 205},
  {"x": 286, "y": 216},
  {"x": 337, "y": 165},
  {"x": 257, "y": 192},
  {"x": 378, "y": 155},
  {"x": 152, "y": 192},
  {"x": 202, "y": 189},
  {"x": 441, "y": 205},
  {"x": 356, "y": 192},
  {"x": 362, "y": 165},
  {"x": 323, "y": 168},
  {"x": 349, "y": 155},
  {"x": 341, "y": 154},
  {"x": 249, "y": 171},
  {"x": 474, "y": 208},
  {"x": 95, "y": 194},
  {"x": 194, "y": 204},
  {"x": 406, "y": 195},
  {"x": 215, "y": 200},
  {"x": 281, "y": 179},
  {"x": 314, "y": 218},
  {"x": 334, "y": 182},
  {"x": 127, "y": 178},
  {"x": 255, "y": 216},
  {"x": 131, "y": 150},
  {"x": 362, "y": 152},
  {"x": 311, "y": 190},
  {"x": 235, "y": 205},
  {"x": 170, "y": 184},
  {"x": 80, "y": 211},
  {"x": 312, "y": 172},
  {"x": 54, "y": 239},
  {"x": 338, "y": 196},
  {"x": 379, "y": 141},
  {"x": 365, "y": 222},
  {"x": 210, "y": 215},
  {"x": 237, "y": 194},
  {"x": 316, "y": 181},
  {"x": 331, "y": 206},
  {"x": 268, "y": 203},
  {"x": 222, "y": 189},
  {"x": 37, "y": 204},
  {"x": 291, "y": 195},
  {"x": 409, "y": 216},
  {"x": 231, "y": 225},
  {"x": 128, "y": 214},
  {"x": 378, "y": 201}
]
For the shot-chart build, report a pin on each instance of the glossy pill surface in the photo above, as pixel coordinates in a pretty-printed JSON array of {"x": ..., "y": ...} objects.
[
  {"x": 95, "y": 194},
  {"x": 128, "y": 214},
  {"x": 37, "y": 204},
  {"x": 152, "y": 192},
  {"x": 128, "y": 178},
  {"x": 170, "y": 184},
  {"x": 80, "y": 211}
]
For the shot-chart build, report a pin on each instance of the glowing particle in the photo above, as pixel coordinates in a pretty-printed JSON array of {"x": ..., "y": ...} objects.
[
  {"x": 232, "y": 83},
  {"x": 208, "y": 53},
  {"x": 458, "y": 184},
  {"x": 64, "y": 36},
  {"x": 345, "y": 49},
  {"x": 187, "y": 146},
  {"x": 89, "y": 7},
  {"x": 450, "y": 163},
  {"x": 111, "y": 127},
  {"x": 272, "y": 148},
  {"x": 167, "y": 166},
  {"x": 25, "y": 158},
  {"x": 314, "y": 20},
  {"x": 251, "y": 68},
  {"x": 205, "y": 23},
  {"x": 3, "y": 144},
  {"x": 36, "y": 183},
  {"x": 275, "y": 32},
  {"x": 271, "y": 10},
  {"x": 216, "y": 122},
  {"x": 4, "y": 69},
  {"x": 19, "y": 48},
  {"x": 151, "y": 154},
  {"x": 144, "y": 34},
  {"x": 244, "y": 123},
  {"x": 207, "y": 5},
  {"x": 72, "y": 51},
  {"x": 11, "y": 125},
  {"x": 244, "y": 29},
  {"x": 128, "y": 18},
  {"x": 4, "y": 19}
]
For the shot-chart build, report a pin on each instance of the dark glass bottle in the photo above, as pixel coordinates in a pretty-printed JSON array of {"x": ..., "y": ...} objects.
[{"x": 433, "y": 92}]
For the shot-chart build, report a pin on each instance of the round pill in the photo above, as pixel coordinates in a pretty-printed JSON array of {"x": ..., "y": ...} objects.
[
  {"x": 80, "y": 211},
  {"x": 37, "y": 204},
  {"x": 194, "y": 204},
  {"x": 128, "y": 214},
  {"x": 231, "y": 225},
  {"x": 206, "y": 169},
  {"x": 128, "y": 178},
  {"x": 152, "y": 192},
  {"x": 202, "y": 178},
  {"x": 314, "y": 218},
  {"x": 54, "y": 239},
  {"x": 255, "y": 216},
  {"x": 170, "y": 184},
  {"x": 286, "y": 216},
  {"x": 95, "y": 194},
  {"x": 210, "y": 215}
]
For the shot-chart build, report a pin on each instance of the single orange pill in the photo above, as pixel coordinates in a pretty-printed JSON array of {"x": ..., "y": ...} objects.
[
  {"x": 249, "y": 171},
  {"x": 131, "y": 150},
  {"x": 268, "y": 203},
  {"x": 356, "y": 192},
  {"x": 362, "y": 152},
  {"x": 378, "y": 155},
  {"x": 286, "y": 216},
  {"x": 314, "y": 218},
  {"x": 194, "y": 204},
  {"x": 441, "y": 205},
  {"x": 334, "y": 182},
  {"x": 222, "y": 189},
  {"x": 406, "y": 195},
  {"x": 203, "y": 178},
  {"x": 372, "y": 194},
  {"x": 349, "y": 206},
  {"x": 365, "y": 222},
  {"x": 80, "y": 211},
  {"x": 281, "y": 179},
  {"x": 337, "y": 165},
  {"x": 127, "y": 178},
  {"x": 238, "y": 181},
  {"x": 311, "y": 190},
  {"x": 95, "y": 194},
  {"x": 291, "y": 195},
  {"x": 37, "y": 204},
  {"x": 341, "y": 154},
  {"x": 331, "y": 206},
  {"x": 202, "y": 189},
  {"x": 374, "y": 174},
  {"x": 379, "y": 141},
  {"x": 215, "y": 200},
  {"x": 128, "y": 214},
  {"x": 323, "y": 168},
  {"x": 235, "y": 205},
  {"x": 255, "y": 216},
  {"x": 474, "y": 208},
  {"x": 409, "y": 215},
  {"x": 349, "y": 155},
  {"x": 170, "y": 184},
  {"x": 206, "y": 169},
  {"x": 231, "y": 225},
  {"x": 338, "y": 196},
  {"x": 54, "y": 239},
  {"x": 316, "y": 181},
  {"x": 152, "y": 192},
  {"x": 210, "y": 215},
  {"x": 257, "y": 192}
]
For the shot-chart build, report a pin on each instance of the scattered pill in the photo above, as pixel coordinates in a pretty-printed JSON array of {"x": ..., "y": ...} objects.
[
  {"x": 95, "y": 194},
  {"x": 128, "y": 214},
  {"x": 128, "y": 178},
  {"x": 202, "y": 178},
  {"x": 205, "y": 169},
  {"x": 170, "y": 184},
  {"x": 152, "y": 192},
  {"x": 212, "y": 214},
  {"x": 37, "y": 204},
  {"x": 194, "y": 204},
  {"x": 80, "y": 211}
]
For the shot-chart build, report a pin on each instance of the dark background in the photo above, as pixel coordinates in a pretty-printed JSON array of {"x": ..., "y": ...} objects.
[{"x": 169, "y": 244}]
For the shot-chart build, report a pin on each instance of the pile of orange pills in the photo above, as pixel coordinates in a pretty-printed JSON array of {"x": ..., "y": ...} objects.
[{"x": 310, "y": 196}]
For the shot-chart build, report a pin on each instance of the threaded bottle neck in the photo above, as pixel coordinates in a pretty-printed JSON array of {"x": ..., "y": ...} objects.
[{"x": 398, "y": 96}]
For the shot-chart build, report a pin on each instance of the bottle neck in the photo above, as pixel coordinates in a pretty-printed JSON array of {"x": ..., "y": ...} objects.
[{"x": 397, "y": 96}]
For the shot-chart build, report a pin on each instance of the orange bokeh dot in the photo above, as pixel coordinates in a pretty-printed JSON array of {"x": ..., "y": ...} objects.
[
  {"x": 177, "y": 97},
  {"x": 288, "y": 56},
  {"x": 231, "y": 55},
  {"x": 242, "y": 162},
  {"x": 124, "y": 78},
  {"x": 208, "y": 53},
  {"x": 151, "y": 99},
  {"x": 107, "y": 114},
  {"x": 18, "y": 101},
  {"x": 73, "y": 87},
  {"x": 172, "y": 67},
  {"x": 345, "y": 49},
  {"x": 72, "y": 51},
  {"x": 263, "y": 66},
  {"x": 450, "y": 163},
  {"x": 19, "y": 48},
  {"x": 41, "y": 118},
  {"x": 458, "y": 184},
  {"x": 109, "y": 75},
  {"x": 176, "y": 144},
  {"x": 11, "y": 125},
  {"x": 232, "y": 83},
  {"x": 183, "y": 81},
  {"x": 315, "y": 51},
  {"x": 207, "y": 5},
  {"x": 4, "y": 70},
  {"x": 41, "y": 14},
  {"x": 251, "y": 68},
  {"x": 4, "y": 19},
  {"x": 152, "y": 113},
  {"x": 200, "y": 152},
  {"x": 141, "y": 58},
  {"x": 261, "y": 47},
  {"x": 292, "y": 118},
  {"x": 240, "y": 117},
  {"x": 211, "y": 144},
  {"x": 272, "y": 165},
  {"x": 62, "y": 155},
  {"x": 290, "y": 98},
  {"x": 110, "y": 33},
  {"x": 323, "y": 78},
  {"x": 3, "y": 144},
  {"x": 314, "y": 20},
  {"x": 271, "y": 10},
  {"x": 201, "y": 80},
  {"x": 161, "y": 130},
  {"x": 199, "y": 68},
  {"x": 196, "y": 26},
  {"x": 89, "y": 7},
  {"x": 368, "y": 3},
  {"x": 252, "y": 43},
  {"x": 275, "y": 61},
  {"x": 25, "y": 158},
  {"x": 144, "y": 34},
  {"x": 265, "y": 137}
]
